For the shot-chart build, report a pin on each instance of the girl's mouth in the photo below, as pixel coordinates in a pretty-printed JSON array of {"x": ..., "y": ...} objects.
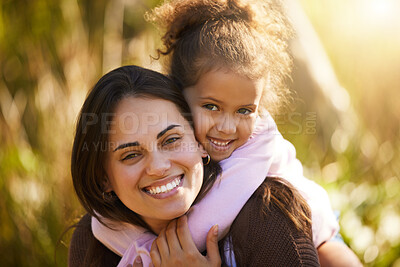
[{"x": 220, "y": 145}]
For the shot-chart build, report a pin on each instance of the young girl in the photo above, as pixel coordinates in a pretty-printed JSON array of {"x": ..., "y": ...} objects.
[{"x": 230, "y": 59}]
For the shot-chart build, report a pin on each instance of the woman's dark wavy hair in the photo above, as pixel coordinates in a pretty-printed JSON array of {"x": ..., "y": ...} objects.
[
  {"x": 278, "y": 193},
  {"x": 91, "y": 137}
]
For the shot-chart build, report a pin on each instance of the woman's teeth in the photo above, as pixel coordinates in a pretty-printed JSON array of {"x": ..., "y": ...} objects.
[{"x": 164, "y": 188}]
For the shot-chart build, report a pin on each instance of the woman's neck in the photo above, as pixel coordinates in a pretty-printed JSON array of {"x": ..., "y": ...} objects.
[{"x": 157, "y": 225}]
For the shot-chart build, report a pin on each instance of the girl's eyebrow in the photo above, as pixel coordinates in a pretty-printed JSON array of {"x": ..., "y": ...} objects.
[
  {"x": 249, "y": 105},
  {"x": 160, "y": 134},
  {"x": 219, "y": 101},
  {"x": 210, "y": 98}
]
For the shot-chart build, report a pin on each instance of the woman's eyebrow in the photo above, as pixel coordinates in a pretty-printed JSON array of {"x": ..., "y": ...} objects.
[
  {"x": 122, "y": 146},
  {"x": 167, "y": 129},
  {"x": 126, "y": 145}
]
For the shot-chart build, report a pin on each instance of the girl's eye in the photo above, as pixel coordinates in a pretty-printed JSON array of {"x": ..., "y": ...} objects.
[
  {"x": 210, "y": 107},
  {"x": 131, "y": 156},
  {"x": 244, "y": 111}
]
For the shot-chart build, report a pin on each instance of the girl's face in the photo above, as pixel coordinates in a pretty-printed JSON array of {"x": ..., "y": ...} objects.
[
  {"x": 155, "y": 164},
  {"x": 224, "y": 106}
]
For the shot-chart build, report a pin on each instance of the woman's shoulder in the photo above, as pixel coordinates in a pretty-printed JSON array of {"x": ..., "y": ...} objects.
[
  {"x": 85, "y": 249},
  {"x": 265, "y": 236}
]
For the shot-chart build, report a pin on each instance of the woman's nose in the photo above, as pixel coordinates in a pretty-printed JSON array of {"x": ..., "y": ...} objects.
[
  {"x": 226, "y": 124},
  {"x": 158, "y": 164}
]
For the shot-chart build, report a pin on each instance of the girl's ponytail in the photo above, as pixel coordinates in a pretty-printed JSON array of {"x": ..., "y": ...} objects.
[
  {"x": 181, "y": 17},
  {"x": 248, "y": 37}
]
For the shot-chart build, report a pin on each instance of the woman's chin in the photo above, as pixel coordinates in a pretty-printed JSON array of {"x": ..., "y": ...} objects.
[{"x": 174, "y": 214}]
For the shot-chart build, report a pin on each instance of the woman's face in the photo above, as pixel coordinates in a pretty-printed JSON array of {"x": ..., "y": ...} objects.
[{"x": 154, "y": 164}]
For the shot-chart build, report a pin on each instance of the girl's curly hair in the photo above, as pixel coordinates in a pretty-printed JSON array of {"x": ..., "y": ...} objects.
[{"x": 249, "y": 37}]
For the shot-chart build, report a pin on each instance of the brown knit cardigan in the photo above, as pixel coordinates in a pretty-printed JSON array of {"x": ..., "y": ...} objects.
[{"x": 265, "y": 240}]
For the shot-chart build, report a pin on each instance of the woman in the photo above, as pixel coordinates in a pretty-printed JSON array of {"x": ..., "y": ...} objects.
[
  {"x": 135, "y": 160},
  {"x": 167, "y": 172}
]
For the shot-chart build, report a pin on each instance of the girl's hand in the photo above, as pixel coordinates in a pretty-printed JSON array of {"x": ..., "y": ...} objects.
[{"x": 174, "y": 247}]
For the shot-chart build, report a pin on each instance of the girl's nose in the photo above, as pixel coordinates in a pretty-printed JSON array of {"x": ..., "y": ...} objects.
[{"x": 227, "y": 124}]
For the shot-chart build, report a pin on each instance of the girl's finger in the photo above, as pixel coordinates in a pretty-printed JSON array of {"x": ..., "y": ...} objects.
[
  {"x": 172, "y": 238},
  {"x": 184, "y": 235},
  {"x": 162, "y": 245},
  {"x": 155, "y": 255},
  {"x": 212, "y": 246}
]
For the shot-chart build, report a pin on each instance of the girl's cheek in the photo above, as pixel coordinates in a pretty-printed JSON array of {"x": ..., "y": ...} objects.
[
  {"x": 202, "y": 123},
  {"x": 252, "y": 124},
  {"x": 248, "y": 126}
]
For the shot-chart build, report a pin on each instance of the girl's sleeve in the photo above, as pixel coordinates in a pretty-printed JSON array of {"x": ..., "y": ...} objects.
[
  {"x": 131, "y": 242},
  {"x": 83, "y": 246}
]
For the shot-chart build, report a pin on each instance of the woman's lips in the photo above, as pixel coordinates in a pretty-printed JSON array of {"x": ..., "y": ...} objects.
[
  {"x": 220, "y": 144},
  {"x": 164, "y": 189}
]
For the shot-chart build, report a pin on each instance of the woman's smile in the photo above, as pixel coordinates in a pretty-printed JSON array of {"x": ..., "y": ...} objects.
[{"x": 165, "y": 188}]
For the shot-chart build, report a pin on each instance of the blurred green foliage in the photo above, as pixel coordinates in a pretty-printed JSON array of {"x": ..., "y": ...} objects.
[
  {"x": 355, "y": 155},
  {"x": 52, "y": 51}
]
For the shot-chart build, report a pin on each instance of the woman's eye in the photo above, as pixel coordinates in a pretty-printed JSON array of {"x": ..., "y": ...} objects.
[
  {"x": 244, "y": 111},
  {"x": 131, "y": 156},
  {"x": 210, "y": 107},
  {"x": 171, "y": 140}
]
